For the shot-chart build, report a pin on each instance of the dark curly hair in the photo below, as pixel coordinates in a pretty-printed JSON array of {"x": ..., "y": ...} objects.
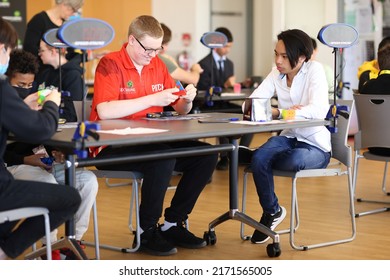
[{"x": 22, "y": 62}]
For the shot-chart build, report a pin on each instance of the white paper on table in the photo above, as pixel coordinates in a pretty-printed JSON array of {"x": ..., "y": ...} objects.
[
  {"x": 226, "y": 94},
  {"x": 269, "y": 122},
  {"x": 68, "y": 125},
  {"x": 136, "y": 130}
]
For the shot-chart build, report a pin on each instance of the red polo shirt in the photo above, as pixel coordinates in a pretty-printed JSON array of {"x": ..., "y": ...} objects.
[{"x": 116, "y": 78}]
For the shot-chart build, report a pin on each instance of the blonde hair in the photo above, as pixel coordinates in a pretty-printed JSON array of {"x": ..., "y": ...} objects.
[
  {"x": 145, "y": 25},
  {"x": 75, "y": 4}
]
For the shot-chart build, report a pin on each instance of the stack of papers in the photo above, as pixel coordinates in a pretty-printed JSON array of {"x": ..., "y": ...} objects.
[{"x": 136, "y": 130}]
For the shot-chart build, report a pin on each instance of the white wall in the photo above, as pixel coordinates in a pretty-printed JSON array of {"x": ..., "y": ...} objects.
[
  {"x": 189, "y": 16},
  {"x": 270, "y": 17},
  {"x": 232, "y": 14}
]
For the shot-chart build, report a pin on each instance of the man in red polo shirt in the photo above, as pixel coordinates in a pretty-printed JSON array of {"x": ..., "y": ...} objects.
[{"x": 129, "y": 84}]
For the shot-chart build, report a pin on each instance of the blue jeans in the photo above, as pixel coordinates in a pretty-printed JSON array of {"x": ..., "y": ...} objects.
[{"x": 282, "y": 153}]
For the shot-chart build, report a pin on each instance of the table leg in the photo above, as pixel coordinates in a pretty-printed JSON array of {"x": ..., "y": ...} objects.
[{"x": 273, "y": 250}]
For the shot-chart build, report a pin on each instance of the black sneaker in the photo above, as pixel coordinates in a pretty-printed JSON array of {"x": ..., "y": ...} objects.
[
  {"x": 270, "y": 221},
  {"x": 223, "y": 163},
  {"x": 180, "y": 236},
  {"x": 152, "y": 242}
]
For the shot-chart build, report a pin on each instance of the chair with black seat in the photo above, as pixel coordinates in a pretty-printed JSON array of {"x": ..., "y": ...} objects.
[
  {"x": 341, "y": 152},
  {"x": 28, "y": 212},
  {"x": 373, "y": 113}
]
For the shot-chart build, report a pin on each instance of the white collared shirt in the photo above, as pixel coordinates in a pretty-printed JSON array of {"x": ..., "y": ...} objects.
[
  {"x": 310, "y": 89},
  {"x": 218, "y": 58}
]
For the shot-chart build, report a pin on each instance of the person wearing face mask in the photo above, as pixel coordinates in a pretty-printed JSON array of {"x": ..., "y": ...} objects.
[
  {"x": 32, "y": 126},
  {"x": 24, "y": 164},
  {"x": 300, "y": 84},
  {"x": 22, "y": 68}
]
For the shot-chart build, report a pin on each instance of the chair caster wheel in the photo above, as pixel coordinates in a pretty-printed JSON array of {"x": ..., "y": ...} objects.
[
  {"x": 273, "y": 250},
  {"x": 210, "y": 237}
]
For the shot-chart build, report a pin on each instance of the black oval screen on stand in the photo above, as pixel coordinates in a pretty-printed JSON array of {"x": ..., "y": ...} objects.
[
  {"x": 85, "y": 34},
  {"x": 337, "y": 36}
]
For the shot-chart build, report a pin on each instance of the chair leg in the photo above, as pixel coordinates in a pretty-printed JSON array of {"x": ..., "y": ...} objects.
[
  {"x": 96, "y": 231},
  {"x": 377, "y": 210},
  {"x": 243, "y": 209},
  {"x": 48, "y": 241},
  {"x": 134, "y": 202},
  {"x": 47, "y": 233},
  {"x": 96, "y": 242},
  {"x": 116, "y": 185},
  {"x": 294, "y": 201},
  {"x": 130, "y": 223}
]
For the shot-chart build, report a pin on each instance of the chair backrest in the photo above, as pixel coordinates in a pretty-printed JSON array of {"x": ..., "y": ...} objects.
[
  {"x": 78, "y": 105},
  {"x": 373, "y": 114},
  {"x": 341, "y": 150}
]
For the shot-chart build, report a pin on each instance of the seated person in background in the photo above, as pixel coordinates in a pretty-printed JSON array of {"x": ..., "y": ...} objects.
[
  {"x": 328, "y": 70},
  {"x": 129, "y": 84},
  {"x": 219, "y": 71},
  {"x": 30, "y": 125},
  {"x": 178, "y": 73},
  {"x": 23, "y": 164},
  {"x": 300, "y": 84},
  {"x": 370, "y": 69},
  {"x": 380, "y": 85},
  {"x": 71, "y": 77}
]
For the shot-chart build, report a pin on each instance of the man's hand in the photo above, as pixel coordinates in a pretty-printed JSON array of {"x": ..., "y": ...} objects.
[
  {"x": 32, "y": 101},
  {"x": 54, "y": 96},
  {"x": 35, "y": 160},
  {"x": 190, "y": 93},
  {"x": 164, "y": 98}
]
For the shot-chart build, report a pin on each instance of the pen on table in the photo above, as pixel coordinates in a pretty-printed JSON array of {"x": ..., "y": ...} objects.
[
  {"x": 227, "y": 119},
  {"x": 223, "y": 120}
]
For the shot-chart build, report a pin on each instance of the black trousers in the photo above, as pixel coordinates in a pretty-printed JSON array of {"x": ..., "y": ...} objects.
[
  {"x": 196, "y": 172},
  {"x": 62, "y": 202}
]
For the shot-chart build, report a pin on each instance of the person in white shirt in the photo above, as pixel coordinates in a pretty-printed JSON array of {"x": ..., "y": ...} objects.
[{"x": 300, "y": 84}]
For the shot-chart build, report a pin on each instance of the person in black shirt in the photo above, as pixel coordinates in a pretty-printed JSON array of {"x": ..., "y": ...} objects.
[
  {"x": 32, "y": 126},
  {"x": 380, "y": 85}
]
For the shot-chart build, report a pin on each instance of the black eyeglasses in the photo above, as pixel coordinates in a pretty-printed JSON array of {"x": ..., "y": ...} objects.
[{"x": 149, "y": 51}]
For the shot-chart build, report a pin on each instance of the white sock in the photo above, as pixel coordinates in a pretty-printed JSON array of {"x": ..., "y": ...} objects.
[
  {"x": 167, "y": 225},
  {"x": 3, "y": 256}
]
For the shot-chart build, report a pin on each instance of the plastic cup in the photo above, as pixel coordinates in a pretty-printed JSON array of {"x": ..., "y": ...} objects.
[{"x": 237, "y": 88}]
